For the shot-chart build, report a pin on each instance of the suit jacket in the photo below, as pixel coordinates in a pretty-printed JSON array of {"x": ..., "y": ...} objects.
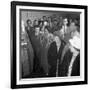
[
  {"x": 64, "y": 66},
  {"x": 76, "y": 67}
]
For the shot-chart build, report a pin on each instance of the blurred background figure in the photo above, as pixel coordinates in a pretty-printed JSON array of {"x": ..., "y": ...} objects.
[
  {"x": 44, "y": 26},
  {"x": 63, "y": 30},
  {"x": 75, "y": 60},
  {"x": 35, "y": 23},
  {"x": 50, "y": 22},
  {"x": 71, "y": 58},
  {"x": 44, "y": 18},
  {"x": 28, "y": 24},
  {"x": 26, "y": 51}
]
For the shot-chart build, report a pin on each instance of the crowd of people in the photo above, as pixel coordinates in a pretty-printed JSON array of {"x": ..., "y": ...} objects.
[{"x": 50, "y": 47}]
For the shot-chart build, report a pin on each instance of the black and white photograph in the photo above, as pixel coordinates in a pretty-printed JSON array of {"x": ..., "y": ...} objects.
[{"x": 50, "y": 44}]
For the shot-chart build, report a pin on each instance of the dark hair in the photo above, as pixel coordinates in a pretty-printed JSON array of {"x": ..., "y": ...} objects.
[
  {"x": 40, "y": 22},
  {"x": 76, "y": 23},
  {"x": 44, "y": 16},
  {"x": 35, "y": 20},
  {"x": 28, "y": 20}
]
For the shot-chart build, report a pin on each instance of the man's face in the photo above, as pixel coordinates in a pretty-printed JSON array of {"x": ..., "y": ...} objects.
[
  {"x": 49, "y": 19},
  {"x": 61, "y": 18},
  {"x": 29, "y": 23},
  {"x": 37, "y": 30},
  {"x": 57, "y": 40},
  {"x": 55, "y": 22},
  {"x": 44, "y": 18},
  {"x": 35, "y": 22},
  {"x": 65, "y": 21},
  {"x": 46, "y": 32},
  {"x": 72, "y": 24}
]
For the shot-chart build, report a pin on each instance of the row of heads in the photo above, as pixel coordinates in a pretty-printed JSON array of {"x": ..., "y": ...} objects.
[{"x": 47, "y": 20}]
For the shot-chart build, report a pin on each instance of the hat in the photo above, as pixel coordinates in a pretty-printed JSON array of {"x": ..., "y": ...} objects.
[{"x": 75, "y": 42}]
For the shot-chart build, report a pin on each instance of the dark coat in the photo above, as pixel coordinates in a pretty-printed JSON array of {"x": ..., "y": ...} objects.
[
  {"x": 76, "y": 67},
  {"x": 64, "y": 66},
  {"x": 44, "y": 53},
  {"x": 53, "y": 56},
  {"x": 36, "y": 47}
]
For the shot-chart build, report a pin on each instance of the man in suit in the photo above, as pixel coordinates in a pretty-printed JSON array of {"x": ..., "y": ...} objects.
[
  {"x": 70, "y": 64},
  {"x": 35, "y": 39}
]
